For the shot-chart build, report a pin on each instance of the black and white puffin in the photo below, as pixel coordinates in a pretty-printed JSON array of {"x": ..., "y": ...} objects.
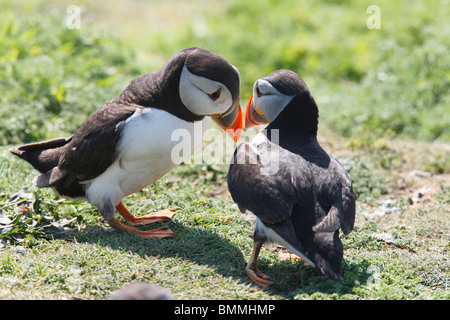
[
  {"x": 127, "y": 143},
  {"x": 300, "y": 195}
]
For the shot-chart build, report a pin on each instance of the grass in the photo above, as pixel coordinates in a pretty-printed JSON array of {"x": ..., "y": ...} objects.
[
  {"x": 207, "y": 257},
  {"x": 384, "y": 106}
]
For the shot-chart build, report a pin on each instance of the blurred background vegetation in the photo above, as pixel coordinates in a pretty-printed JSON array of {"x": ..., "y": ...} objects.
[{"x": 387, "y": 82}]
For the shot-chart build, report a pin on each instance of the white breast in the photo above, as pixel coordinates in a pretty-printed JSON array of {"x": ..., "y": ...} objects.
[
  {"x": 144, "y": 154},
  {"x": 272, "y": 236},
  {"x": 257, "y": 140}
]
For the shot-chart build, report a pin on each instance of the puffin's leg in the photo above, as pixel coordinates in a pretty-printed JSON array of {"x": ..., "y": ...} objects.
[
  {"x": 163, "y": 215},
  {"x": 252, "y": 271},
  {"x": 108, "y": 213}
]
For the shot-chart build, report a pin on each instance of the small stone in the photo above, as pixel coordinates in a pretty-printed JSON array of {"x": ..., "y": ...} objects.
[
  {"x": 419, "y": 174},
  {"x": 19, "y": 249}
]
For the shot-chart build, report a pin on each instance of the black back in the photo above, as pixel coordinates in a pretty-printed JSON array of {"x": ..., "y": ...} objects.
[
  {"x": 92, "y": 148},
  {"x": 306, "y": 185}
]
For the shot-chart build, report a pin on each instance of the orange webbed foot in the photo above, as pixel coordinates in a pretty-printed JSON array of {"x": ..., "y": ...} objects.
[
  {"x": 291, "y": 257},
  {"x": 161, "y": 233},
  {"x": 258, "y": 277},
  {"x": 163, "y": 215}
]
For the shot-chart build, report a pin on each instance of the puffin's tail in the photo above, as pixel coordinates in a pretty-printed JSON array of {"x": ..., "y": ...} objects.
[{"x": 43, "y": 156}]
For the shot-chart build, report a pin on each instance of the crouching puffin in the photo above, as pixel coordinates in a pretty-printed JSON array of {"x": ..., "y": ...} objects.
[
  {"x": 300, "y": 195},
  {"x": 126, "y": 144}
]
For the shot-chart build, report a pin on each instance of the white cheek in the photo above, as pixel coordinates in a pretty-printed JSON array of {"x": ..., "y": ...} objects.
[
  {"x": 193, "y": 94},
  {"x": 272, "y": 105},
  {"x": 188, "y": 92},
  {"x": 272, "y": 102},
  {"x": 194, "y": 99},
  {"x": 223, "y": 103}
]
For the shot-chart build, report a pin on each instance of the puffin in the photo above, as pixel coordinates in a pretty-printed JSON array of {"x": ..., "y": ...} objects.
[
  {"x": 301, "y": 196},
  {"x": 128, "y": 143}
]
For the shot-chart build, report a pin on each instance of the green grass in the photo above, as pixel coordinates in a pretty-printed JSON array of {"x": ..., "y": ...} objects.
[
  {"x": 386, "y": 82},
  {"x": 52, "y": 77},
  {"x": 206, "y": 259},
  {"x": 393, "y": 81},
  {"x": 384, "y": 107}
]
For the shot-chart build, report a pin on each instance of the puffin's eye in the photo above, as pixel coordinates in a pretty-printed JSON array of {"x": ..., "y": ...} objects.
[
  {"x": 215, "y": 95},
  {"x": 258, "y": 92}
]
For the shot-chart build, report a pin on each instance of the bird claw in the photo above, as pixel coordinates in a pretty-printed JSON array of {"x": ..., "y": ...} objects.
[
  {"x": 163, "y": 215},
  {"x": 258, "y": 277},
  {"x": 160, "y": 233}
]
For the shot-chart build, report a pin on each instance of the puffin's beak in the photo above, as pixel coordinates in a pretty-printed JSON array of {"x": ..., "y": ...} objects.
[
  {"x": 231, "y": 121},
  {"x": 254, "y": 117}
]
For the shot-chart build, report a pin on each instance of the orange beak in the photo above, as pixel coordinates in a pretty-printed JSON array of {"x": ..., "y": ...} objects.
[
  {"x": 231, "y": 121},
  {"x": 254, "y": 117}
]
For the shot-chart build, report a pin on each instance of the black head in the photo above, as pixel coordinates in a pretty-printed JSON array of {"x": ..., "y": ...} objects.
[
  {"x": 206, "y": 64},
  {"x": 209, "y": 85},
  {"x": 282, "y": 99},
  {"x": 193, "y": 84}
]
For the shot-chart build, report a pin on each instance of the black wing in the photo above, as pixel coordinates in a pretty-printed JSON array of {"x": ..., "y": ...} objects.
[
  {"x": 93, "y": 147},
  {"x": 259, "y": 181},
  {"x": 348, "y": 209}
]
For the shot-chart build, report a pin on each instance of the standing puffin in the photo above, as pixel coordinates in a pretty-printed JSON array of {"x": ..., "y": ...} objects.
[
  {"x": 300, "y": 195},
  {"x": 126, "y": 144}
]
